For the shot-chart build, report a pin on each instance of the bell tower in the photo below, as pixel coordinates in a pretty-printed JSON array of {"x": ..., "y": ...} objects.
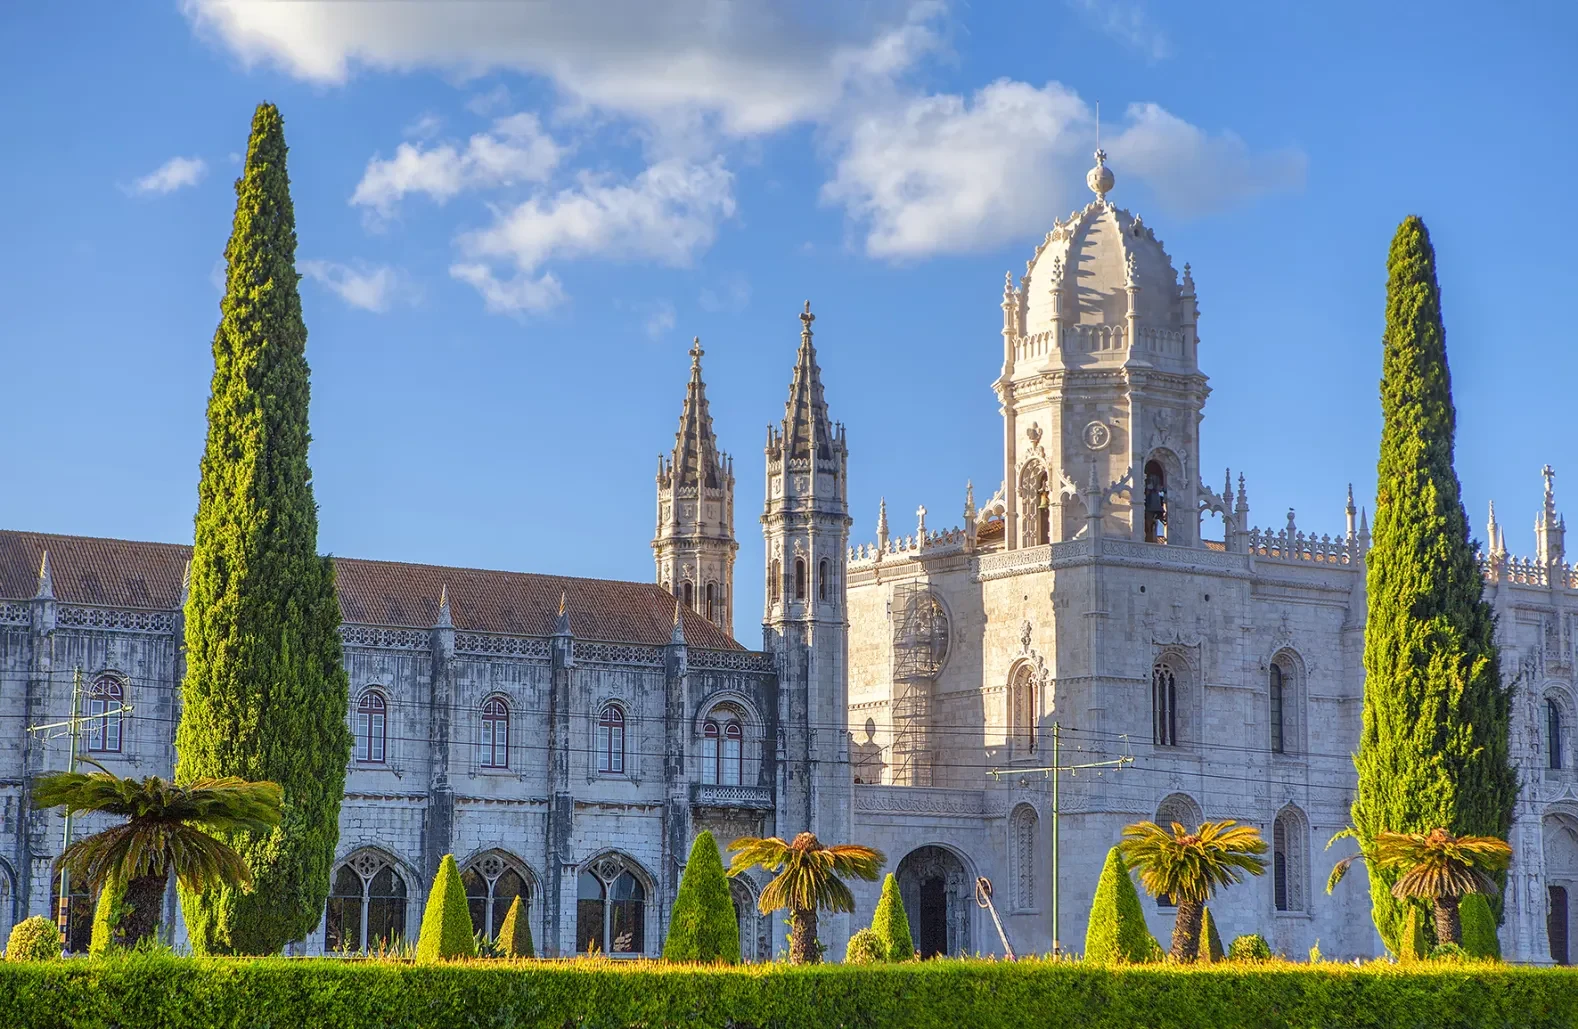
[
  {"x": 805, "y": 524},
  {"x": 1101, "y": 391},
  {"x": 694, "y": 546}
]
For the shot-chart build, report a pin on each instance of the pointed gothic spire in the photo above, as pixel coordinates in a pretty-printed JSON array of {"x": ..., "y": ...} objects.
[
  {"x": 445, "y": 618},
  {"x": 1549, "y": 529},
  {"x": 882, "y": 524},
  {"x": 677, "y": 637},
  {"x": 186, "y": 583},
  {"x": 561, "y": 625},
  {"x": 1350, "y": 511},
  {"x": 695, "y": 446},
  {"x": 806, "y": 426},
  {"x": 969, "y": 502},
  {"x": 46, "y": 580},
  {"x": 1492, "y": 530}
]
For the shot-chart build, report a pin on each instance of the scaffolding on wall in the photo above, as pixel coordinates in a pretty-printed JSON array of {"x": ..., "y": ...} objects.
[{"x": 920, "y": 648}]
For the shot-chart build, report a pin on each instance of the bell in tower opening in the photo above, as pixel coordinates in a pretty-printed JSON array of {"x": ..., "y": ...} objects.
[{"x": 1155, "y": 503}]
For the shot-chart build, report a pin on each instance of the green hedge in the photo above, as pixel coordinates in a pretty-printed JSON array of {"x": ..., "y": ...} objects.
[{"x": 147, "y": 991}]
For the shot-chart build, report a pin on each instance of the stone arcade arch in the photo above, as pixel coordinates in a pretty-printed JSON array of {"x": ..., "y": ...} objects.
[
  {"x": 1560, "y": 831},
  {"x": 938, "y": 890}
]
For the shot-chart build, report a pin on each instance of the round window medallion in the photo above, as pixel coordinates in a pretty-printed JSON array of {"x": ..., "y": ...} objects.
[{"x": 1097, "y": 435}]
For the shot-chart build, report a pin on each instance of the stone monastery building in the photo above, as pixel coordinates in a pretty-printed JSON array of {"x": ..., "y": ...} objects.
[{"x": 566, "y": 738}]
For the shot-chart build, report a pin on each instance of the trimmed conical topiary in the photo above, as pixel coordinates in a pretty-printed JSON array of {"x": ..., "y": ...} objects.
[
  {"x": 107, "y": 915},
  {"x": 446, "y": 921},
  {"x": 1249, "y": 947},
  {"x": 1479, "y": 927},
  {"x": 515, "y": 934},
  {"x": 891, "y": 924},
  {"x": 1117, "y": 931},
  {"x": 265, "y": 692},
  {"x": 1210, "y": 938},
  {"x": 703, "y": 926},
  {"x": 34, "y": 939},
  {"x": 1433, "y": 750}
]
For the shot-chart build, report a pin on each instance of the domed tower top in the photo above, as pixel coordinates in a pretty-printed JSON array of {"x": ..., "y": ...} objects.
[{"x": 1100, "y": 290}]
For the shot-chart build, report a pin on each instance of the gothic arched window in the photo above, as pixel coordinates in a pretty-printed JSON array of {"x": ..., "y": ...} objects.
[
  {"x": 610, "y": 910},
  {"x": 712, "y": 602},
  {"x": 103, "y": 704},
  {"x": 1022, "y": 710},
  {"x": 775, "y": 581},
  {"x": 371, "y": 726},
  {"x": 367, "y": 905},
  {"x": 822, "y": 586},
  {"x": 688, "y": 594},
  {"x": 1164, "y": 705},
  {"x": 1553, "y": 732},
  {"x": 722, "y": 750},
  {"x": 1276, "y": 686},
  {"x": 1288, "y": 849},
  {"x": 799, "y": 578},
  {"x": 492, "y": 883},
  {"x": 495, "y": 741},
  {"x": 611, "y": 741}
]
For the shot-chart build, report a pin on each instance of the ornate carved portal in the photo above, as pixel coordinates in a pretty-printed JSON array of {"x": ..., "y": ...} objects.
[
  {"x": 756, "y": 941},
  {"x": 938, "y": 895}
]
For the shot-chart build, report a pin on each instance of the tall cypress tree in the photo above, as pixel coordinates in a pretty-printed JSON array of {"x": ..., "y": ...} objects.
[
  {"x": 1434, "y": 746},
  {"x": 265, "y": 693}
]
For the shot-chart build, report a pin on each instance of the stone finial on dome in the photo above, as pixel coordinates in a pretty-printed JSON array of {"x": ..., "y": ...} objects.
[{"x": 1099, "y": 178}]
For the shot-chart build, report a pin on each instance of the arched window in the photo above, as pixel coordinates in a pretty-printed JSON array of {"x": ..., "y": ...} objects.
[
  {"x": 775, "y": 581},
  {"x": 1022, "y": 828},
  {"x": 1043, "y": 512},
  {"x": 799, "y": 578},
  {"x": 1278, "y": 740},
  {"x": 722, "y": 748},
  {"x": 712, "y": 602},
  {"x": 1155, "y": 503},
  {"x": 494, "y": 743},
  {"x": 689, "y": 592},
  {"x": 1022, "y": 710},
  {"x": 367, "y": 906},
  {"x": 371, "y": 721},
  {"x": 821, "y": 580},
  {"x": 492, "y": 884},
  {"x": 103, "y": 704},
  {"x": 1164, "y": 705},
  {"x": 1288, "y": 848},
  {"x": 1553, "y": 732},
  {"x": 610, "y": 910},
  {"x": 611, "y": 741}
]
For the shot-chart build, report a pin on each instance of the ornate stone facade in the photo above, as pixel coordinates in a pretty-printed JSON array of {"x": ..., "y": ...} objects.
[
  {"x": 1107, "y": 593},
  {"x": 566, "y": 738}
]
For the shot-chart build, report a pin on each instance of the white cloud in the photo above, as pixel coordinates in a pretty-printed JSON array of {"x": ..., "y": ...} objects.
[
  {"x": 1128, "y": 22},
  {"x": 425, "y": 127},
  {"x": 667, "y": 213},
  {"x": 942, "y": 174},
  {"x": 506, "y": 296},
  {"x": 660, "y": 320},
  {"x": 1194, "y": 174},
  {"x": 174, "y": 174},
  {"x": 369, "y": 288},
  {"x": 515, "y": 150},
  {"x": 732, "y": 294},
  {"x": 491, "y": 102},
  {"x": 754, "y": 67}
]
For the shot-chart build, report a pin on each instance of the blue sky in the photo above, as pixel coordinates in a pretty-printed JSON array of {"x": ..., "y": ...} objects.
[{"x": 513, "y": 217}]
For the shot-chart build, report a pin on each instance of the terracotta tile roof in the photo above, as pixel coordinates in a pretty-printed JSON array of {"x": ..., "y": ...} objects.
[{"x": 122, "y": 573}]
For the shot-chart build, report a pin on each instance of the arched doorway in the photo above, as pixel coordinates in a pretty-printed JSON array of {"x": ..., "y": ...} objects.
[
  {"x": 1561, "y": 882},
  {"x": 936, "y": 890},
  {"x": 755, "y": 944}
]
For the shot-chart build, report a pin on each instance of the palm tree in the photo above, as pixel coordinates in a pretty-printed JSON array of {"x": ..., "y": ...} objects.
[
  {"x": 166, "y": 829},
  {"x": 810, "y": 877},
  {"x": 1441, "y": 868},
  {"x": 1188, "y": 866}
]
